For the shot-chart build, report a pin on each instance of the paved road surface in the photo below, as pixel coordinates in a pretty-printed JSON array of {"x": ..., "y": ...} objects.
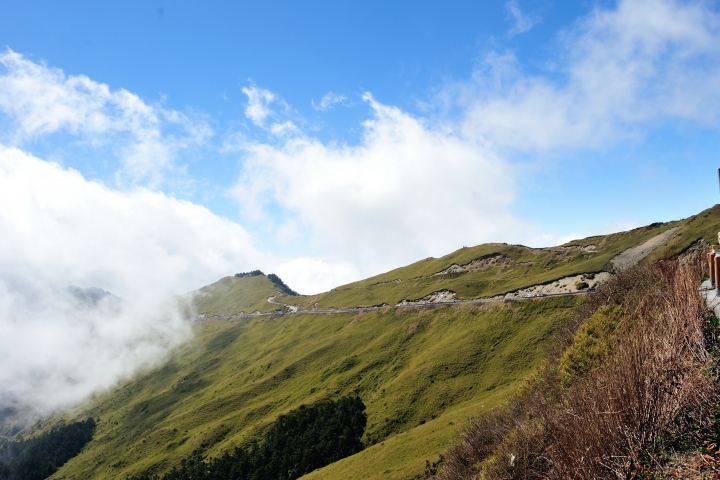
[{"x": 370, "y": 309}]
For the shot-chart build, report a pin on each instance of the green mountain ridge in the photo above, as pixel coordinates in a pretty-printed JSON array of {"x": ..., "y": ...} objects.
[
  {"x": 422, "y": 372},
  {"x": 507, "y": 268}
]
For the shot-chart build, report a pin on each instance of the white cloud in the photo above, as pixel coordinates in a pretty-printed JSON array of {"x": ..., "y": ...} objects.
[
  {"x": 411, "y": 188},
  {"x": 523, "y": 22},
  {"x": 314, "y": 275},
  {"x": 258, "y": 106},
  {"x": 40, "y": 100},
  {"x": 258, "y": 110},
  {"x": 408, "y": 191},
  {"x": 281, "y": 129},
  {"x": 415, "y": 187},
  {"x": 645, "y": 61},
  {"x": 59, "y": 229},
  {"x": 328, "y": 101}
]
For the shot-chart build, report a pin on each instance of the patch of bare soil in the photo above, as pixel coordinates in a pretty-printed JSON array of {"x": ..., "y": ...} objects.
[
  {"x": 290, "y": 308},
  {"x": 690, "y": 255},
  {"x": 397, "y": 280},
  {"x": 633, "y": 255},
  {"x": 435, "y": 297},
  {"x": 576, "y": 248},
  {"x": 479, "y": 264},
  {"x": 563, "y": 285}
]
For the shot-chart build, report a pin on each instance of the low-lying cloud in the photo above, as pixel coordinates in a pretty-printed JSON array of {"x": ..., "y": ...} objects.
[
  {"x": 61, "y": 231},
  {"x": 415, "y": 185}
]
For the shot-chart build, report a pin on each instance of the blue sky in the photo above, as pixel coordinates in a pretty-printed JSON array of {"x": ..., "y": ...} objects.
[{"x": 330, "y": 141}]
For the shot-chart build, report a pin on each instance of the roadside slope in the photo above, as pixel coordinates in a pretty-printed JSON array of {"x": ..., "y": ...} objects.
[
  {"x": 233, "y": 295},
  {"x": 475, "y": 272},
  {"x": 409, "y": 366},
  {"x": 420, "y": 371},
  {"x": 485, "y": 271}
]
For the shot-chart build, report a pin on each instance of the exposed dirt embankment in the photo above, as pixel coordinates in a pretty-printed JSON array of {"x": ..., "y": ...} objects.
[
  {"x": 435, "y": 297},
  {"x": 290, "y": 308},
  {"x": 572, "y": 284},
  {"x": 633, "y": 255},
  {"x": 479, "y": 264}
]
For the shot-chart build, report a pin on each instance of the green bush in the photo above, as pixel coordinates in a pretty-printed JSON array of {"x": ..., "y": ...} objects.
[
  {"x": 39, "y": 457},
  {"x": 297, "y": 443},
  {"x": 591, "y": 343}
]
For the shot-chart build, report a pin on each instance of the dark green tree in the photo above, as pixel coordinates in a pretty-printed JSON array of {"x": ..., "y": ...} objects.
[
  {"x": 39, "y": 457},
  {"x": 297, "y": 443}
]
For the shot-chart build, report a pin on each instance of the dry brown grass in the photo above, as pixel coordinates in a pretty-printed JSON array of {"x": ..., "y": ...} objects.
[{"x": 656, "y": 385}]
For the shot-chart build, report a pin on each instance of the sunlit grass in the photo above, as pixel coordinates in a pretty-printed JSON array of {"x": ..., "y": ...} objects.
[
  {"x": 416, "y": 370},
  {"x": 231, "y": 295},
  {"x": 421, "y": 372},
  {"x": 529, "y": 267}
]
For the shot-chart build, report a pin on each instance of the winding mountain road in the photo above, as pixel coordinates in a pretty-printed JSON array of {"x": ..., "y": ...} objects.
[
  {"x": 623, "y": 260},
  {"x": 292, "y": 309}
]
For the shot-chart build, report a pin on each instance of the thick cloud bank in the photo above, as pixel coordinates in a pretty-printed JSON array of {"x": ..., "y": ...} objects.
[
  {"x": 419, "y": 185},
  {"x": 408, "y": 190},
  {"x": 60, "y": 231}
]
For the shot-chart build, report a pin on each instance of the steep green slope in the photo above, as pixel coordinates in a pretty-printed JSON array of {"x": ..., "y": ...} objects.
[
  {"x": 485, "y": 270},
  {"x": 701, "y": 227},
  {"x": 231, "y": 295},
  {"x": 419, "y": 371},
  {"x": 471, "y": 272}
]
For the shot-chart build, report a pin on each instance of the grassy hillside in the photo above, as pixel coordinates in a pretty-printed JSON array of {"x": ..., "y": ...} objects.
[
  {"x": 231, "y": 295},
  {"x": 420, "y": 373},
  {"x": 493, "y": 269},
  {"x": 703, "y": 226},
  {"x": 630, "y": 397},
  {"x": 485, "y": 270}
]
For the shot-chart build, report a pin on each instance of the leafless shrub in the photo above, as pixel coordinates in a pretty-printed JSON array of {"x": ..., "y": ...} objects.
[
  {"x": 655, "y": 381},
  {"x": 483, "y": 437},
  {"x": 655, "y": 384}
]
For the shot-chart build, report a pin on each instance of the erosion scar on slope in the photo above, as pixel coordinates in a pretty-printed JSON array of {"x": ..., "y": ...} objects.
[{"x": 633, "y": 255}]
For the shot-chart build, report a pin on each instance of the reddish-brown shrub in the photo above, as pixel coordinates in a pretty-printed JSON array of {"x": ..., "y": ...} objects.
[{"x": 655, "y": 384}]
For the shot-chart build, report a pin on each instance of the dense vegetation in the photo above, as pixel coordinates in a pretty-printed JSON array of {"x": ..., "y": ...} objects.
[
  {"x": 420, "y": 372},
  {"x": 272, "y": 277},
  {"x": 254, "y": 273},
  {"x": 296, "y": 444},
  {"x": 635, "y": 386},
  {"x": 39, "y": 457},
  {"x": 276, "y": 280}
]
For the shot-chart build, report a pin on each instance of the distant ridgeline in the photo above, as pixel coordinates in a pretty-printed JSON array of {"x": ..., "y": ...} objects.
[
  {"x": 273, "y": 278},
  {"x": 304, "y": 440},
  {"x": 39, "y": 457},
  {"x": 93, "y": 296}
]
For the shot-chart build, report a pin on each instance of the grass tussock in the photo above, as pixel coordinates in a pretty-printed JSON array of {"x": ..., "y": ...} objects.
[
  {"x": 420, "y": 372},
  {"x": 516, "y": 267},
  {"x": 631, "y": 380}
]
